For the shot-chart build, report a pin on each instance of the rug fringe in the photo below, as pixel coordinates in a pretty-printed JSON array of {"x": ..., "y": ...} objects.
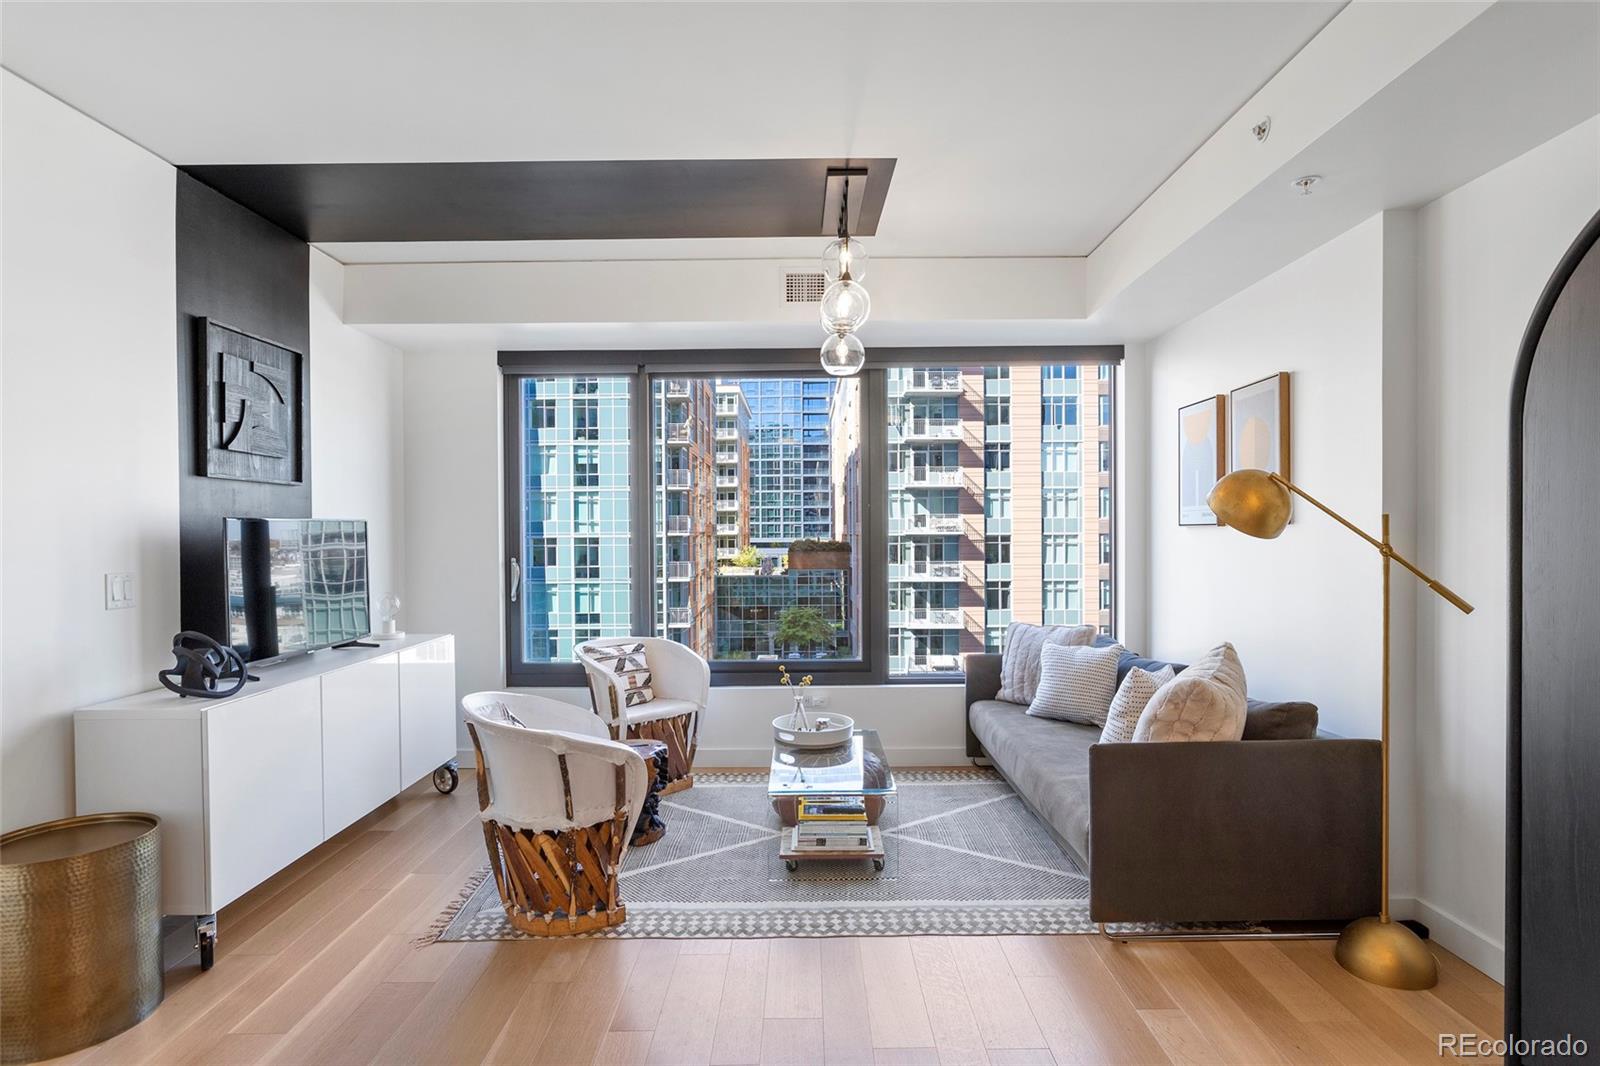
[{"x": 442, "y": 922}]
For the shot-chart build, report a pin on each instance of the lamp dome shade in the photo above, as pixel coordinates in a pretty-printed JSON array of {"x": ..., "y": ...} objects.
[{"x": 1252, "y": 502}]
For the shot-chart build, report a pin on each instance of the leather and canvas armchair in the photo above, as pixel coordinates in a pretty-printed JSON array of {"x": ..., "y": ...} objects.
[
  {"x": 558, "y": 799},
  {"x": 681, "y": 682}
]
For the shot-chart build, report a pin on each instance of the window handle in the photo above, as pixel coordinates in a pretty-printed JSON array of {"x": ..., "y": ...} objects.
[{"x": 516, "y": 577}]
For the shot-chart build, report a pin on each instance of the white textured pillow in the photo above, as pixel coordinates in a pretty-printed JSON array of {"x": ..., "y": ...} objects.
[
  {"x": 1076, "y": 684},
  {"x": 1205, "y": 702},
  {"x": 1019, "y": 662},
  {"x": 1129, "y": 703}
]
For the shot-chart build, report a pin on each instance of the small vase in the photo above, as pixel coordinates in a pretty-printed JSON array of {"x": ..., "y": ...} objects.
[{"x": 798, "y": 720}]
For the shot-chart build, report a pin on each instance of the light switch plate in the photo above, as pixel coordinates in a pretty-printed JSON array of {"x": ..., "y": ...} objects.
[{"x": 119, "y": 592}]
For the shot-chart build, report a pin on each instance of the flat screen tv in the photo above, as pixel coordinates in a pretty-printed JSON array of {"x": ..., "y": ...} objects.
[{"x": 295, "y": 585}]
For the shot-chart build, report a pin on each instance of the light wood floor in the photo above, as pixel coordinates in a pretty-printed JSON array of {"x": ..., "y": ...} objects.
[{"x": 322, "y": 964}]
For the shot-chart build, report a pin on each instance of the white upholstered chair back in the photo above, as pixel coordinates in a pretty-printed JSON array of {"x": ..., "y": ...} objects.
[
  {"x": 676, "y": 673},
  {"x": 525, "y": 739}
]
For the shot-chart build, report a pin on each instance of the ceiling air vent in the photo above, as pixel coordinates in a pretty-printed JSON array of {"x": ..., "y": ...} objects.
[{"x": 804, "y": 288}]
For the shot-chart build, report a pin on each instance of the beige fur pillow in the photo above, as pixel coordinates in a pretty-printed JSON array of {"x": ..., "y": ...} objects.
[{"x": 1205, "y": 702}]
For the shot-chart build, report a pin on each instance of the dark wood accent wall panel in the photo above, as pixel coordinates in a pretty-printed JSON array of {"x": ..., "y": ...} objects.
[
  {"x": 236, "y": 268},
  {"x": 1553, "y": 793}
]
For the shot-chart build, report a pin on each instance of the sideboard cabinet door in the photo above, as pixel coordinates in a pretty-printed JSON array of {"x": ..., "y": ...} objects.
[
  {"x": 427, "y": 708},
  {"x": 360, "y": 739},
  {"x": 264, "y": 785}
]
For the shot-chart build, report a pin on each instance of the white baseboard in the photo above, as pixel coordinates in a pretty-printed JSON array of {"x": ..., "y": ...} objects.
[{"x": 1473, "y": 945}]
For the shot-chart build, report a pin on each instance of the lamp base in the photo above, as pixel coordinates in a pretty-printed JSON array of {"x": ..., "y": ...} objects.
[{"x": 1386, "y": 953}]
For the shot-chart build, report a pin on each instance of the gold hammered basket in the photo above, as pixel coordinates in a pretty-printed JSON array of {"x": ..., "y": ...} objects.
[{"x": 80, "y": 932}]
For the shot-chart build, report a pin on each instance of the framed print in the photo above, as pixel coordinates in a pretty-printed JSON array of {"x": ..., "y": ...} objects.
[
  {"x": 252, "y": 400},
  {"x": 1202, "y": 460},
  {"x": 1258, "y": 426}
]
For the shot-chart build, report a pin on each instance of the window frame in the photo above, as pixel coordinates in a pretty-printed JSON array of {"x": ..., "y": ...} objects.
[{"x": 642, "y": 367}]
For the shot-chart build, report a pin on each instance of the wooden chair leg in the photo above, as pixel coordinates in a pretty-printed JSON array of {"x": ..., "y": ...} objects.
[
  {"x": 674, "y": 733},
  {"x": 558, "y": 884}
]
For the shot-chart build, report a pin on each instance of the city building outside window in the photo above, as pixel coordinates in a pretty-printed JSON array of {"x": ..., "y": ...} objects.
[
  {"x": 758, "y": 465},
  {"x": 574, "y": 432},
  {"x": 1018, "y": 409}
]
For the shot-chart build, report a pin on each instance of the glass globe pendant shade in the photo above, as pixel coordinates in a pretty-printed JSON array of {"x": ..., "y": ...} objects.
[
  {"x": 845, "y": 307},
  {"x": 843, "y": 257},
  {"x": 843, "y": 355}
]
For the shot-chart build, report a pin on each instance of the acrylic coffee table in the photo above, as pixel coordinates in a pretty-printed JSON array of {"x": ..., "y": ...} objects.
[{"x": 857, "y": 770}]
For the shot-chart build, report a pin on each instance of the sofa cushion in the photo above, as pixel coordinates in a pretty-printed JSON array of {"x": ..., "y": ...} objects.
[
  {"x": 1205, "y": 702},
  {"x": 1076, "y": 683},
  {"x": 1019, "y": 663},
  {"x": 1290, "y": 720},
  {"x": 1133, "y": 695},
  {"x": 1047, "y": 762}
]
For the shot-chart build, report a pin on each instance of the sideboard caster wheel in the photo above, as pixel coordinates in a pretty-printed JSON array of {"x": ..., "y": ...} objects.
[
  {"x": 877, "y": 864},
  {"x": 446, "y": 778},
  {"x": 790, "y": 865},
  {"x": 205, "y": 932}
]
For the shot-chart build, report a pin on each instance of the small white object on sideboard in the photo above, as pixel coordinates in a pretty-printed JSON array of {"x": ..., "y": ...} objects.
[{"x": 246, "y": 785}]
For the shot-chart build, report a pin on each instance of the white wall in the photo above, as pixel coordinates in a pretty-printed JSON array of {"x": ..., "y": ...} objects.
[
  {"x": 1485, "y": 253},
  {"x": 91, "y": 432},
  {"x": 1402, "y": 335},
  {"x": 1303, "y": 610},
  {"x": 456, "y": 580},
  {"x": 454, "y": 577},
  {"x": 357, "y": 439}
]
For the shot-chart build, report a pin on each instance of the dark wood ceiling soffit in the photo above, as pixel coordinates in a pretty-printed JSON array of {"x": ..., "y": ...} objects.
[{"x": 547, "y": 201}]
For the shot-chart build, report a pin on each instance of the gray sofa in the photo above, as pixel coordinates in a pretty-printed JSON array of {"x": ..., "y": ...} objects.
[{"x": 1259, "y": 829}]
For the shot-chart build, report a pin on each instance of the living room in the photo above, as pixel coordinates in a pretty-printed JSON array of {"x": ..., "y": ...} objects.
[{"x": 634, "y": 533}]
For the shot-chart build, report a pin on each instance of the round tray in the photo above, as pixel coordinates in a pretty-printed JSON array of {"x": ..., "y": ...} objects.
[{"x": 840, "y": 728}]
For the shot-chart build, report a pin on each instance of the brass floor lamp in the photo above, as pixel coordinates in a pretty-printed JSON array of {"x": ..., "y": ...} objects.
[{"x": 1375, "y": 949}]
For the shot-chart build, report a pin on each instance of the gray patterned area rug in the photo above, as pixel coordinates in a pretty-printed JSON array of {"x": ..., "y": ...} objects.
[{"x": 965, "y": 857}]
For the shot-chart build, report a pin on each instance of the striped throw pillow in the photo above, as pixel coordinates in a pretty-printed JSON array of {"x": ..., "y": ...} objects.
[
  {"x": 1129, "y": 703},
  {"x": 627, "y": 668},
  {"x": 1076, "y": 684},
  {"x": 1019, "y": 660}
]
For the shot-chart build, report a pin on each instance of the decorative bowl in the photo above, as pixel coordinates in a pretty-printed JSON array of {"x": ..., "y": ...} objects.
[{"x": 840, "y": 728}]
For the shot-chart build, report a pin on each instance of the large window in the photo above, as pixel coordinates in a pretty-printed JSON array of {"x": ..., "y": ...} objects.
[
  {"x": 670, "y": 502},
  {"x": 1013, "y": 522},
  {"x": 572, "y": 515},
  {"x": 743, "y": 470}
]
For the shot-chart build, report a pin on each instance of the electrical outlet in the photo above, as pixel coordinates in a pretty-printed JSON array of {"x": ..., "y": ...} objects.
[
  {"x": 818, "y": 699},
  {"x": 119, "y": 592}
]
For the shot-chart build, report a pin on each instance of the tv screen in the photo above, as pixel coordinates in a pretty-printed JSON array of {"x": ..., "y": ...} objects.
[{"x": 295, "y": 584}]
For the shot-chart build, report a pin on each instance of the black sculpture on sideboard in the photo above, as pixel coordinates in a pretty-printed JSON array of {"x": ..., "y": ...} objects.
[{"x": 204, "y": 668}]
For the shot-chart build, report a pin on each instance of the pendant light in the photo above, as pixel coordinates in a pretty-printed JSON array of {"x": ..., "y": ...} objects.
[
  {"x": 846, "y": 303},
  {"x": 843, "y": 355}
]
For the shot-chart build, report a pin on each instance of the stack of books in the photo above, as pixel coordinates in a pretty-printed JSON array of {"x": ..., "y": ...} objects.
[{"x": 833, "y": 823}]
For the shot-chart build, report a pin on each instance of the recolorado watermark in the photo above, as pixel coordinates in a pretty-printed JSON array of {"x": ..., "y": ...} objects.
[{"x": 1476, "y": 1045}]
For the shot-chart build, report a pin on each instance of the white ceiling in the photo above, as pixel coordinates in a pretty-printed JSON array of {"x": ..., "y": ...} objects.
[{"x": 1020, "y": 130}]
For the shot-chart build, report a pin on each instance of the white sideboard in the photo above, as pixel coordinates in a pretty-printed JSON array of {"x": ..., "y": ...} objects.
[{"x": 246, "y": 785}]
